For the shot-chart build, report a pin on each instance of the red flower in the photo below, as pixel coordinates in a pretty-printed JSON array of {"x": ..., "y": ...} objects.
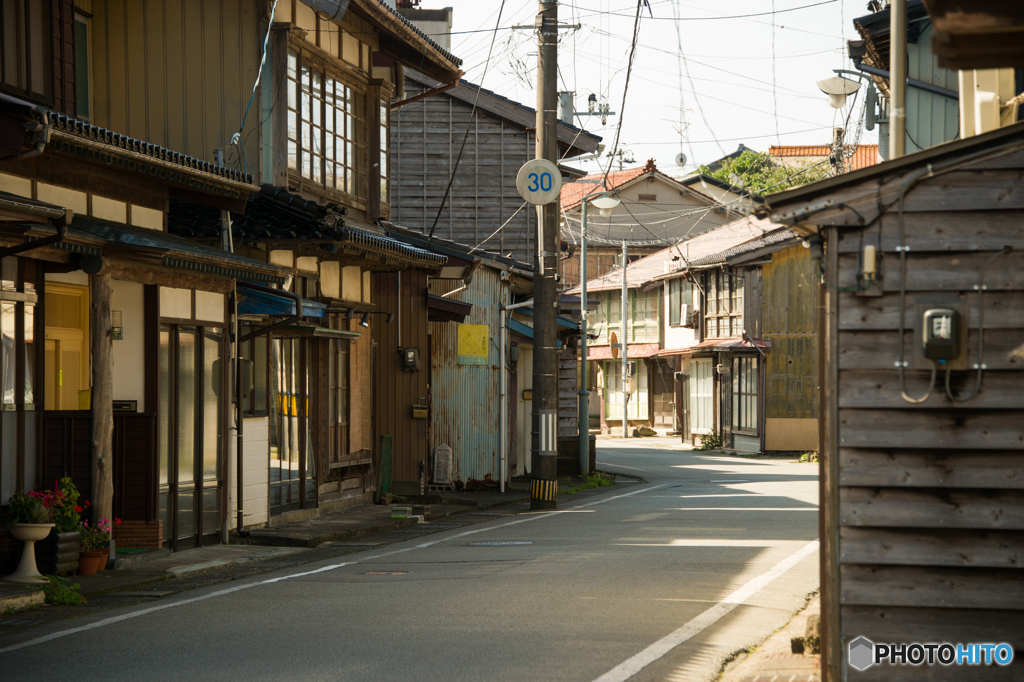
[
  {"x": 78, "y": 509},
  {"x": 87, "y": 503},
  {"x": 117, "y": 521}
]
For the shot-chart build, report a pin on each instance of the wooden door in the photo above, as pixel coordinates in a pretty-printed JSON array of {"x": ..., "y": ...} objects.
[{"x": 67, "y": 347}]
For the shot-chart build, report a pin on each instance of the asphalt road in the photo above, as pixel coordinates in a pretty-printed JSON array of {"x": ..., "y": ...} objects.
[{"x": 658, "y": 580}]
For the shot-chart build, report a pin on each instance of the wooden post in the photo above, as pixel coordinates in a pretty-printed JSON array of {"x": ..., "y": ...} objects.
[{"x": 102, "y": 399}]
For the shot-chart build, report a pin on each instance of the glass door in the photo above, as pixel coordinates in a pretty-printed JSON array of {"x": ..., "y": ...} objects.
[
  {"x": 190, "y": 434},
  {"x": 292, "y": 463}
]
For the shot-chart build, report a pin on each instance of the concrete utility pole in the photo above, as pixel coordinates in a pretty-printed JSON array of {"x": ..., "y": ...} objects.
[
  {"x": 898, "y": 81},
  {"x": 624, "y": 327},
  {"x": 544, "y": 469}
]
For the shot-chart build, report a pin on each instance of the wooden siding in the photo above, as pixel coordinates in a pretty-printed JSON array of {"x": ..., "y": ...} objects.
[
  {"x": 179, "y": 73},
  {"x": 62, "y": 13},
  {"x": 789, "y": 322},
  {"x": 929, "y": 500},
  {"x": 397, "y": 391},
  {"x": 425, "y": 141}
]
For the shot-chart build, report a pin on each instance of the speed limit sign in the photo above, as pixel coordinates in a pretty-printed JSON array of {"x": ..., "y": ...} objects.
[{"x": 539, "y": 182}]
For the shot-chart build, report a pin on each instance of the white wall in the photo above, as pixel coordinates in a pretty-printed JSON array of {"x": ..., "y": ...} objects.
[
  {"x": 129, "y": 353},
  {"x": 677, "y": 337},
  {"x": 256, "y": 473}
]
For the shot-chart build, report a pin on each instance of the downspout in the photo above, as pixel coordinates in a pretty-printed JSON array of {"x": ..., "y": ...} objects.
[{"x": 503, "y": 390}]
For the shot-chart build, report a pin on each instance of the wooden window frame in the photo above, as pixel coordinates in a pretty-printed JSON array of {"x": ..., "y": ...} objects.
[
  {"x": 745, "y": 385},
  {"x": 339, "y": 412},
  {"x": 723, "y": 302},
  {"x": 26, "y": 65},
  {"x": 308, "y": 56}
]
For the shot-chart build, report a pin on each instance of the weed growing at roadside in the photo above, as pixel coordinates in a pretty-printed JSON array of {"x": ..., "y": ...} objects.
[
  {"x": 597, "y": 480},
  {"x": 58, "y": 592},
  {"x": 710, "y": 441}
]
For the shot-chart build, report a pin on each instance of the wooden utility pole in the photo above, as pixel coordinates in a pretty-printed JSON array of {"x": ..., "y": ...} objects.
[
  {"x": 544, "y": 451},
  {"x": 102, "y": 399}
]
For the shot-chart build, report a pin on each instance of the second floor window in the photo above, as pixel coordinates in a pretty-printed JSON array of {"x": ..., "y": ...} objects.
[
  {"x": 326, "y": 128},
  {"x": 723, "y": 314}
]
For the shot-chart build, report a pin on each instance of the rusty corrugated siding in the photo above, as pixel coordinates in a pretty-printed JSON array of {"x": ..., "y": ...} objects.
[{"x": 464, "y": 398}]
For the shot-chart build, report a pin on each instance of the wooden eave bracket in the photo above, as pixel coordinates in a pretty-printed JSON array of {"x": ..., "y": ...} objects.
[{"x": 429, "y": 93}]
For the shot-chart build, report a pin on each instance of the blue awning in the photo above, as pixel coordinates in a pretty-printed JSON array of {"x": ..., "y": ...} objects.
[
  {"x": 525, "y": 330},
  {"x": 253, "y": 302},
  {"x": 562, "y": 321}
]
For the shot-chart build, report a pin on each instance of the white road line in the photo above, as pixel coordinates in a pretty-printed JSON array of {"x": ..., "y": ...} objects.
[
  {"x": 714, "y": 543},
  {"x": 813, "y": 509},
  {"x": 631, "y": 666},
  {"x": 238, "y": 588},
  {"x": 621, "y": 466}
]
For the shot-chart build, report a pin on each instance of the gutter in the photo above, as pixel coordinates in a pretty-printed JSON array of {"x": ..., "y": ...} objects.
[{"x": 912, "y": 82}]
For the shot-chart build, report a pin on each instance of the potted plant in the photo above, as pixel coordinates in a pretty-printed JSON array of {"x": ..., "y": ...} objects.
[
  {"x": 29, "y": 520},
  {"x": 58, "y": 553},
  {"x": 92, "y": 548}
]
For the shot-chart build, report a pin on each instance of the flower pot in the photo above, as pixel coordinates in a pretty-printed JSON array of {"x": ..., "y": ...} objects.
[
  {"x": 58, "y": 553},
  {"x": 29, "y": 534},
  {"x": 89, "y": 562}
]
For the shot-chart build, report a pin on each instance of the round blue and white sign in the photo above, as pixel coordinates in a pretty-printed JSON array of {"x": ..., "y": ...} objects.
[{"x": 539, "y": 182}]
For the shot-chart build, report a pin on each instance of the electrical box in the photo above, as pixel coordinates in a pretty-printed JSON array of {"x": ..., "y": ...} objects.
[
  {"x": 410, "y": 359},
  {"x": 513, "y": 354},
  {"x": 941, "y": 334},
  {"x": 419, "y": 412}
]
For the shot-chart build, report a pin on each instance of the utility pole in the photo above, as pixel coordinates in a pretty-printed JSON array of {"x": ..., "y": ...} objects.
[
  {"x": 544, "y": 465},
  {"x": 898, "y": 81},
  {"x": 623, "y": 344}
]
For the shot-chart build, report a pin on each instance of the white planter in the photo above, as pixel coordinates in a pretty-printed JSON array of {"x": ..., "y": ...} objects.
[{"x": 28, "y": 533}]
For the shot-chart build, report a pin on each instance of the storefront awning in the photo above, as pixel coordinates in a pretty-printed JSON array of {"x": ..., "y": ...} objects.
[
  {"x": 254, "y": 302},
  {"x": 441, "y": 309},
  {"x": 315, "y": 332},
  {"x": 718, "y": 344},
  {"x": 634, "y": 350}
]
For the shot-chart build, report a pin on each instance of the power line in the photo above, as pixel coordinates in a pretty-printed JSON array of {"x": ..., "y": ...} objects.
[
  {"x": 625, "y": 91},
  {"x": 732, "y": 16}
]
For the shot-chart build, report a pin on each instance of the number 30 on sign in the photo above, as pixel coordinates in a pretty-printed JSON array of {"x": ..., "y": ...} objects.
[{"x": 539, "y": 182}]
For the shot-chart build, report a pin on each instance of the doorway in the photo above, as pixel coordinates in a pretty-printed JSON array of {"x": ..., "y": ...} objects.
[
  {"x": 190, "y": 435},
  {"x": 292, "y": 464}
]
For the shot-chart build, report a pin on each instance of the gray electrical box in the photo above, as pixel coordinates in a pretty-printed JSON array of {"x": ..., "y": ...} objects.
[
  {"x": 941, "y": 337},
  {"x": 410, "y": 359}
]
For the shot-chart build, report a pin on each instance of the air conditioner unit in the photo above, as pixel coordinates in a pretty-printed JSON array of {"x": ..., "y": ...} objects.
[
  {"x": 691, "y": 319},
  {"x": 684, "y": 312}
]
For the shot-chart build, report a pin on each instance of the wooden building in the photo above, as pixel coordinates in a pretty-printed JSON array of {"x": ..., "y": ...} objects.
[
  {"x": 921, "y": 401},
  {"x": 426, "y": 142},
  {"x": 742, "y": 321},
  {"x": 655, "y": 209}
]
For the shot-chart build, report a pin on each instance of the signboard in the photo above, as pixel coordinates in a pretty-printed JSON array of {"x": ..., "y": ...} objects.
[
  {"x": 613, "y": 340},
  {"x": 473, "y": 340},
  {"x": 539, "y": 182}
]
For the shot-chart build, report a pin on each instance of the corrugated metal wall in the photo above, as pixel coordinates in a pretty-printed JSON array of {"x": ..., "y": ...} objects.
[
  {"x": 464, "y": 398},
  {"x": 398, "y": 391},
  {"x": 178, "y": 73}
]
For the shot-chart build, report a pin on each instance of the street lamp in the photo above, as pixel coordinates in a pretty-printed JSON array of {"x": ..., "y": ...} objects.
[{"x": 604, "y": 202}]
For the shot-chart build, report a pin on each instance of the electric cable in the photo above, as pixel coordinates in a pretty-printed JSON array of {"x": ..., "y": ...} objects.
[{"x": 625, "y": 90}]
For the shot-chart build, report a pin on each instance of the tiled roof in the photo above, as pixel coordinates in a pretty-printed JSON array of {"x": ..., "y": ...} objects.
[
  {"x": 430, "y": 41},
  {"x": 865, "y": 155},
  {"x": 770, "y": 239},
  {"x": 278, "y": 215},
  {"x": 573, "y": 192},
  {"x": 87, "y": 131},
  {"x": 709, "y": 243}
]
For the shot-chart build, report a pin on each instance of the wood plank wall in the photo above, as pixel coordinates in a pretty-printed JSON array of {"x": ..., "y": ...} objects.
[
  {"x": 397, "y": 391},
  {"x": 179, "y": 73},
  {"x": 931, "y": 495},
  {"x": 789, "y": 321},
  {"x": 425, "y": 141}
]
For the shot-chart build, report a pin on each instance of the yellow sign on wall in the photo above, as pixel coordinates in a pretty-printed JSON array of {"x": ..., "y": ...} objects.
[{"x": 474, "y": 340}]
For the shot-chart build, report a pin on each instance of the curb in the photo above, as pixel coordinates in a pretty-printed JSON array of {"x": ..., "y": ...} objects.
[{"x": 21, "y": 600}]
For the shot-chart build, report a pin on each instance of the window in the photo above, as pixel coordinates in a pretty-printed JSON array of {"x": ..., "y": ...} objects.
[
  {"x": 724, "y": 302},
  {"x": 680, "y": 293},
  {"x": 645, "y": 307},
  {"x": 384, "y": 147},
  {"x": 25, "y": 49},
  {"x": 647, "y": 197},
  {"x": 82, "y": 67},
  {"x": 744, "y": 394},
  {"x": 326, "y": 134},
  {"x": 338, "y": 398}
]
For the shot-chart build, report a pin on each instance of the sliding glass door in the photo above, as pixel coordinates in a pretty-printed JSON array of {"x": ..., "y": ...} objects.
[
  {"x": 190, "y": 435},
  {"x": 292, "y": 464}
]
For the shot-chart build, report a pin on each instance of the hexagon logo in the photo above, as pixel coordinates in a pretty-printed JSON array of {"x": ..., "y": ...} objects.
[{"x": 861, "y": 653}]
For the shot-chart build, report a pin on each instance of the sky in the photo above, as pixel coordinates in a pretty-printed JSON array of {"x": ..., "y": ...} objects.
[{"x": 701, "y": 83}]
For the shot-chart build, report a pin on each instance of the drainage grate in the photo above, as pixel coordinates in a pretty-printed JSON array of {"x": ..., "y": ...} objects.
[
  {"x": 19, "y": 623},
  {"x": 497, "y": 544},
  {"x": 386, "y": 573}
]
